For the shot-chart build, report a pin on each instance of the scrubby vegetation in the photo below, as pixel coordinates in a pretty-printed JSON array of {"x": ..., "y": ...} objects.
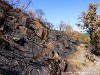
[{"x": 91, "y": 22}]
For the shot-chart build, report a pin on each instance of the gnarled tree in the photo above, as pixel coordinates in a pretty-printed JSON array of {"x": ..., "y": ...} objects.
[{"x": 91, "y": 22}]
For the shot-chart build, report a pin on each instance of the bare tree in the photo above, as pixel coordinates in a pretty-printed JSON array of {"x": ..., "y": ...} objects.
[
  {"x": 62, "y": 26},
  {"x": 39, "y": 13},
  {"x": 19, "y": 3}
]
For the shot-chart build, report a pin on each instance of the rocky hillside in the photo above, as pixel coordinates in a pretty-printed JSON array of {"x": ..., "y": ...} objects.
[{"x": 28, "y": 47}]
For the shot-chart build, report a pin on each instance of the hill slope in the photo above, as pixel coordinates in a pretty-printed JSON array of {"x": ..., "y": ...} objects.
[{"x": 28, "y": 47}]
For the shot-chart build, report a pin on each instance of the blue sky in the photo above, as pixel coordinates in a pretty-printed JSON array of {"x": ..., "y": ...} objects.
[{"x": 65, "y": 10}]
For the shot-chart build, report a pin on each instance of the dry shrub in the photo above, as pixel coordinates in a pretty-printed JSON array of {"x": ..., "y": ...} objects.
[
  {"x": 80, "y": 37},
  {"x": 68, "y": 31},
  {"x": 77, "y": 36}
]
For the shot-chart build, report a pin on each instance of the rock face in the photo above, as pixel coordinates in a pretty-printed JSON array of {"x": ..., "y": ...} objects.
[{"x": 24, "y": 48}]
